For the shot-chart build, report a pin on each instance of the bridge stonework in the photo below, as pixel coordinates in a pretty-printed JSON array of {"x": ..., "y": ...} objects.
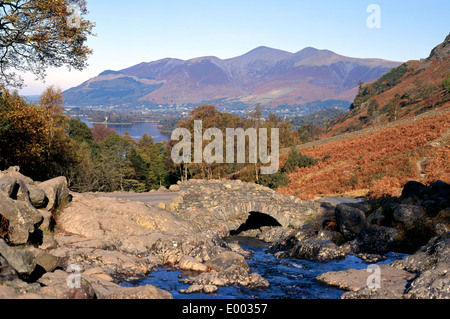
[{"x": 224, "y": 205}]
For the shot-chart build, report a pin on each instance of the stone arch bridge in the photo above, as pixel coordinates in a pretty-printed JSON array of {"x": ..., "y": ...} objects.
[{"x": 225, "y": 205}]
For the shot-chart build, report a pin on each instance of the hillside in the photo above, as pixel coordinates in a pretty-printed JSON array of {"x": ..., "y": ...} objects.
[
  {"x": 393, "y": 144},
  {"x": 376, "y": 162},
  {"x": 408, "y": 90},
  {"x": 264, "y": 75}
]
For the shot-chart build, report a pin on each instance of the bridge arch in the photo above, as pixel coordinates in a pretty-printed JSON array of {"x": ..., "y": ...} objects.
[{"x": 256, "y": 220}]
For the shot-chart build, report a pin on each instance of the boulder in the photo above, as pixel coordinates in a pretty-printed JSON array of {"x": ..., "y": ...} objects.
[
  {"x": 10, "y": 293},
  {"x": 431, "y": 284},
  {"x": 431, "y": 263},
  {"x": 14, "y": 172},
  {"x": 190, "y": 263},
  {"x": 48, "y": 221},
  {"x": 7, "y": 273},
  {"x": 272, "y": 234},
  {"x": 233, "y": 275},
  {"x": 374, "y": 240},
  {"x": 314, "y": 249},
  {"x": 23, "y": 219},
  {"x": 309, "y": 244},
  {"x": 45, "y": 260},
  {"x": 56, "y": 286},
  {"x": 413, "y": 189},
  {"x": 434, "y": 206},
  {"x": 438, "y": 189},
  {"x": 393, "y": 280},
  {"x": 38, "y": 198},
  {"x": 56, "y": 191},
  {"x": 351, "y": 220},
  {"x": 408, "y": 215},
  {"x": 162, "y": 189},
  {"x": 15, "y": 188},
  {"x": 227, "y": 268},
  {"x": 226, "y": 260},
  {"x": 8, "y": 185},
  {"x": 207, "y": 289},
  {"x": 99, "y": 273},
  {"x": 377, "y": 217},
  {"x": 142, "y": 292},
  {"x": 22, "y": 261}
]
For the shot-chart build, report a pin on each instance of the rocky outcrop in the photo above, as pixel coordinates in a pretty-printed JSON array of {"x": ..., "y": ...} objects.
[
  {"x": 350, "y": 219},
  {"x": 23, "y": 219},
  {"x": 430, "y": 264},
  {"x": 21, "y": 261},
  {"x": 308, "y": 243},
  {"x": 423, "y": 275},
  {"x": 393, "y": 281},
  {"x": 132, "y": 226},
  {"x": 20, "y": 198},
  {"x": 43, "y": 265},
  {"x": 421, "y": 216},
  {"x": 226, "y": 269},
  {"x": 56, "y": 191},
  {"x": 401, "y": 224},
  {"x": 141, "y": 292}
]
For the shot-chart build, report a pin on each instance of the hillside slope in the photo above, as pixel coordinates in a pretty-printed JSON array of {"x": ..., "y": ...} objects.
[
  {"x": 264, "y": 75},
  {"x": 408, "y": 90},
  {"x": 376, "y": 162},
  {"x": 407, "y": 137}
]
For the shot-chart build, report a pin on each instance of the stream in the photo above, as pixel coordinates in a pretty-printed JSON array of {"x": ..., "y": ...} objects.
[{"x": 288, "y": 278}]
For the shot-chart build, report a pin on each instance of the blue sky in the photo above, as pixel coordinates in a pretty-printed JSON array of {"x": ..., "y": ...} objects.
[{"x": 142, "y": 31}]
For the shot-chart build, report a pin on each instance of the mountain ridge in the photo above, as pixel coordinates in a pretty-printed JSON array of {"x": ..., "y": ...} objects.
[{"x": 264, "y": 75}]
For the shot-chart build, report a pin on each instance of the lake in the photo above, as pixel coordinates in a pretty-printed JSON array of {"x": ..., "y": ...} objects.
[{"x": 136, "y": 130}]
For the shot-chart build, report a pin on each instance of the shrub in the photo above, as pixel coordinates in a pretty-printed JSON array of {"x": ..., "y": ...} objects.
[
  {"x": 274, "y": 181},
  {"x": 446, "y": 83},
  {"x": 297, "y": 160}
]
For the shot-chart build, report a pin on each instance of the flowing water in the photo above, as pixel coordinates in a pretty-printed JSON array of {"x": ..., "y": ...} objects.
[{"x": 288, "y": 278}]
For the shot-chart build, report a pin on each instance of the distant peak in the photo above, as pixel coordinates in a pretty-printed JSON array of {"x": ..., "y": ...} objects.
[
  {"x": 308, "y": 51},
  {"x": 263, "y": 52},
  {"x": 264, "y": 48}
]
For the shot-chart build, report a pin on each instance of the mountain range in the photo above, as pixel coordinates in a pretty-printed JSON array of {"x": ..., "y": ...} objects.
[{"x": 264, "y": 75}]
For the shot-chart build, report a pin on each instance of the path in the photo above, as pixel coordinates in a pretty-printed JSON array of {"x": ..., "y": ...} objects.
[{"x": 149, "y": 198}]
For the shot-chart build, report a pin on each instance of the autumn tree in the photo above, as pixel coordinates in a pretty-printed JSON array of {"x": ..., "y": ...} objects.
[
  {"x": 115, "y": 150},
  {"x": 38, "y": 34},
  {"x": 52, "y": 102},
  {"x": 79, "y": 131},
  {"x": 394, "y": 108},
  {"x": 211, "y": 118},
  {"x": 23, "y": 132},
  {"x": 148, "y": 162}
]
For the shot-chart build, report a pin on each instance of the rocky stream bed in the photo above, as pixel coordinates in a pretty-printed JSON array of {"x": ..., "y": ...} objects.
[{"x": 55, "y": 244}]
